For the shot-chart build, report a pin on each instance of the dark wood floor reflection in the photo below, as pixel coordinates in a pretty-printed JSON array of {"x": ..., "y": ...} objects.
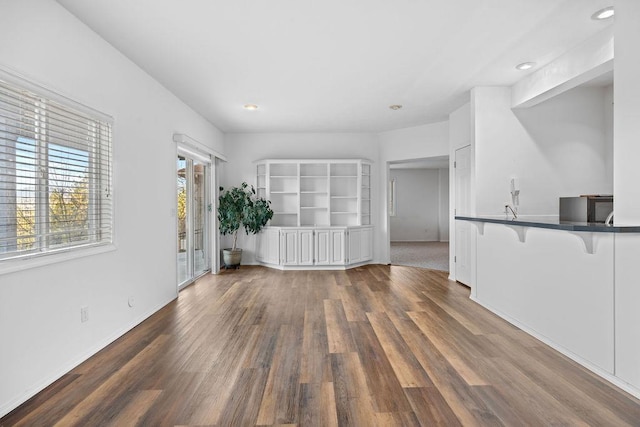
[{"x": 376, "y": 345}]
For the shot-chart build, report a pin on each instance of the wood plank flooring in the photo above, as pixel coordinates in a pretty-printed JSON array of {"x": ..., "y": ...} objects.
[{"x": 373, "y": 346}]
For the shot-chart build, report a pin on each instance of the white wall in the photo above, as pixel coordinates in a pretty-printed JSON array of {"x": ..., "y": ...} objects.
[
  {"x": 556, "y": 148},
  {"x": 243, "y": 149},
  {"x": 40, "y": 329},
  {"x": 626, "y": 190},
  {"x": 443, "y": 220},
  {"x": 459, "y": 137},
  {"x": 419, "y": 142},
  {"x": 418, "y": 205},
  {"x": 551, "y": 287},
  {"x": 627, "y": 113}
]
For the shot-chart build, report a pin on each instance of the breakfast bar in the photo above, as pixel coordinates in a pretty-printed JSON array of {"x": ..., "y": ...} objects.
[{"x": 555, "y": 280}]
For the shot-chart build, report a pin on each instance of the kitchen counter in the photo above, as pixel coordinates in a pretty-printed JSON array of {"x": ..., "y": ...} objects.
[{"x": 593, "y": 227}]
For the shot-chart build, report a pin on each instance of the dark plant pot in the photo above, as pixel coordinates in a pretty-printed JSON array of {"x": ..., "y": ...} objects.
[{"x": 231, "y": 258}]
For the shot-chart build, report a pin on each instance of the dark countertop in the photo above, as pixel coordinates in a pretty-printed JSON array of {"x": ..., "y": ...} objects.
[{"x": 593, "y": 227}]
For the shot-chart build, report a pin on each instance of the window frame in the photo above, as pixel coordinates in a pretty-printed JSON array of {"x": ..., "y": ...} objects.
[{"x": 48, "y": 253}]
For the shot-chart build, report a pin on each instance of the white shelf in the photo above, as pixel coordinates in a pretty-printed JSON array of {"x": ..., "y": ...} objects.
[{"x": 311, "y": 192}]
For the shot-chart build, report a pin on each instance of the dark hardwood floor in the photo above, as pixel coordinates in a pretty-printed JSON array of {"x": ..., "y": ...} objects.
[{"x": 376, "y": 345}]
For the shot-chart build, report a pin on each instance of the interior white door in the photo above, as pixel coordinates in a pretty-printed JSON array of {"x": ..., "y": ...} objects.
[{"x": 463, "y": 207}]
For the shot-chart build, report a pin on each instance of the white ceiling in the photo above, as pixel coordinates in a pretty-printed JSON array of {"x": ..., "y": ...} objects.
[{"x": 335, "y": 65}]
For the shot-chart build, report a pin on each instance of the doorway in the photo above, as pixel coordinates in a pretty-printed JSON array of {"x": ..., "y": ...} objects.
[
  {"x": 193, "y": 178},
  {"x": 419, "y": 213}
]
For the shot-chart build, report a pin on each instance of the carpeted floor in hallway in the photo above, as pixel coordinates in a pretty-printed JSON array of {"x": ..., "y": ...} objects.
[{"x": 431, "y": 255}]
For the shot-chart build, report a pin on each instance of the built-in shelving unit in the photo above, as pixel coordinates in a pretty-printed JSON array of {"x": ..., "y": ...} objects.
[
  {"x": 316, "y": 193},
  {"x": 322, "y": 213},
  {"x": 261, "y": 181},
  {"x": 283, "y": 191},
  {"x": 365, "y": 195}
]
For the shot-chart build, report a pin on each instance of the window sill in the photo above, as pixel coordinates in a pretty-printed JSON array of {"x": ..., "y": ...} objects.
[{"x": 39, "y": 260}]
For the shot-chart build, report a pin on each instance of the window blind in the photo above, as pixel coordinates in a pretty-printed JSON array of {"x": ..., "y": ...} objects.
[{"x": 55, "y": 175}]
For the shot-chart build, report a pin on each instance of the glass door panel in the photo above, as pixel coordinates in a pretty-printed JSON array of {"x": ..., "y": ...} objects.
[
  {"x": 183, "y": 254},
  {"x": 199, "y": 206},
  {"x": 193, "y": 219}
]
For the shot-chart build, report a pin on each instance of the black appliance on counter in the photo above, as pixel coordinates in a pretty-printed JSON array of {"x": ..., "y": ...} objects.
[{"x": 586, "y": 208}]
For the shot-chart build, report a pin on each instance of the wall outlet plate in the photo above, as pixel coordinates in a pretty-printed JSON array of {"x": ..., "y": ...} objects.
[{"x": 84, "y": 314}]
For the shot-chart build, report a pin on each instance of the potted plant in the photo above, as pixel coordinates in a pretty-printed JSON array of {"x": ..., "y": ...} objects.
[{"x": 241, "y": 207}]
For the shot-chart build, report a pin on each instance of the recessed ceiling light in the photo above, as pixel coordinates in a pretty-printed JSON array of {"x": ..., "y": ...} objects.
[
  {"x": 250, "y": 107},
  {"x": 395, "y": 106},
  {"x": 605, "y": 13},
  {"x": 526, "y": 66}
]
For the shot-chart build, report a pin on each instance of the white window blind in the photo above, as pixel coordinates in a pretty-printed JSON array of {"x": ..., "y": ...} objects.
[{"x": 55, "y": 175}]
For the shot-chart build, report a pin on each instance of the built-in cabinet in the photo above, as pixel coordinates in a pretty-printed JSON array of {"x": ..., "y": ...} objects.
[
  {"x": 322, "y": 212},
  {"x": 335, "y": 247}
]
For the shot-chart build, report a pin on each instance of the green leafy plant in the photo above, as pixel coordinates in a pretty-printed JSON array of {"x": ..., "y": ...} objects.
[{"x": 241, "y": 207}]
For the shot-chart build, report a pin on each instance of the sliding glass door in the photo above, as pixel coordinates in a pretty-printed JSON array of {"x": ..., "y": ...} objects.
[{"x": 193, "y": 178}]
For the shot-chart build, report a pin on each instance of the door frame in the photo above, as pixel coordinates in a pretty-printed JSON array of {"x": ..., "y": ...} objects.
[
  {"x": 387, "y": 192},
  {"x": 190, "y": 156},
  {"x": 455, "y": 254}
]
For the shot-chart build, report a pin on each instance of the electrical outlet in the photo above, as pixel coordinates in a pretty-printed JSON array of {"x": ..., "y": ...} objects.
[{"x": 84, "y": 314}]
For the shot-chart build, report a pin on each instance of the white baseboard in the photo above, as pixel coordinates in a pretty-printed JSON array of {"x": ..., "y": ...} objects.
[{"x": 67, "y": 367}]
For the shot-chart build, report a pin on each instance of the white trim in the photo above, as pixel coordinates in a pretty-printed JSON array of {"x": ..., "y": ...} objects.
[
  {"x": 13, "y": 265},
  {"x": 192, "y": 154},
  {"x": 186, "y": 142},
  {"x": 314, "y": 267},
  {"x": 214, "y": 242}
]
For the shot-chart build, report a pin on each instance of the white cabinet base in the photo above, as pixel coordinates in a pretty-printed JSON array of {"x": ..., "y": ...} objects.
[{"x": 308, "y": 248}]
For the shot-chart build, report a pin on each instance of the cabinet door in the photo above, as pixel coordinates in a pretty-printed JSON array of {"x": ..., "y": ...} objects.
[
  {"x": 289, "y": 247},
  {"x": 355, "y": 246},
  {"x": 322, "y": 247},
  {"x": 337, "y": 248},
  {"x": 272, "y": 246},
  {"x": 367, "y": 244},
  {"x": 305, "y": 247}
]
